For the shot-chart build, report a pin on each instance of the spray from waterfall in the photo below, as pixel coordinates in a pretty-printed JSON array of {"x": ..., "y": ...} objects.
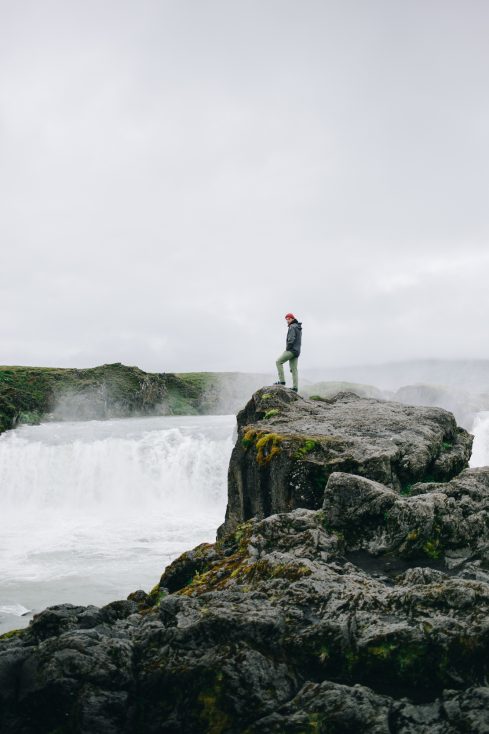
[
  {"x": 92, "y": 511},
  {"x": 480, "y": 447}
]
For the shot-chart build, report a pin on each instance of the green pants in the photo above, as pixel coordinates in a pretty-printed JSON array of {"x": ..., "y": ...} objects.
[{"x": 288, "y": 357}]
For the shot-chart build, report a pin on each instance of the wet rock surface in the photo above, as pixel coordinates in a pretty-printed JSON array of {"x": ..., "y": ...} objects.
[
  {"x": 369, "y": 613},
  {"x": 288, "y": 447},
  {"x": 442, "y": 521}
]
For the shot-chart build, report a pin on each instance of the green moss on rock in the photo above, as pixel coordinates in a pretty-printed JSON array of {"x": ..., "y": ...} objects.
[
  {"x": 267, "y": 445},
  {"x": 12, "y": 633},
  {"x": 306, "y": 448},
  {"x": 30, "y": 394}
]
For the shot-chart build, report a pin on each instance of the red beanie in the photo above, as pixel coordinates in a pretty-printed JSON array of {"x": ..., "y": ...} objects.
[{"x": 289, "y": 316}]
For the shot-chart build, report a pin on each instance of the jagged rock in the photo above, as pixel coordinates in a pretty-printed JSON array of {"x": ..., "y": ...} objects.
[
  {"x": 448, "y": 520},
  {"x": 186, "y": 566},
  {"x": 329, "y": 706},
  {"x": 279, "y": 632},
  {"x": 288, "y": 447}
]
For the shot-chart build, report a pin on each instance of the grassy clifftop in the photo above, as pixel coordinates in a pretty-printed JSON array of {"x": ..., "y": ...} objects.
[{"x": 30, "y": 394}]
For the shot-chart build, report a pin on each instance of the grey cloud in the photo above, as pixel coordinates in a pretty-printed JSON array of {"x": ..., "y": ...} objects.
[{"x": 176, "y": 176}]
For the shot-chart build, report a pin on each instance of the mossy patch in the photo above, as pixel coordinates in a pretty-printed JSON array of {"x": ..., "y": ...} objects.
[
  {"x": 233, "y": 551},
  {"x": 249, "y": 438},
  {"x": 214, "y": 719},
  {"x": 307, "y": 446},
  {"x": 407, "y": 663},
  {"x": 12, "y": 633},
  {"x": 314, "y": 723},
  {"x": 155, "y": 596},
  {"x": 433, "y": 547},
  {"x": 242, "y": 533},
  {"x": 264, "y": 570},
  {"x": 268, "y": 445},
  {"x": 383, "y": 651},
  {"x": 234, "y": 566}
]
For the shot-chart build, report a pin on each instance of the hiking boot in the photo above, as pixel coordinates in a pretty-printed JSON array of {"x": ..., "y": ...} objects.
[
  {"x": 294, "y": 389},
  {"x": 279, "y": 383}
]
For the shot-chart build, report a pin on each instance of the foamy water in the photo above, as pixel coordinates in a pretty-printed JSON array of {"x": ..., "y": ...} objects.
[
  {"x": 480, "y": 447},
  {"x": 92, "y": 511}
]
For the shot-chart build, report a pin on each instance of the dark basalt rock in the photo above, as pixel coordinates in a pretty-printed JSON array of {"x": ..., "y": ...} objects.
[
  {"x": 288, "y": 447},
  {"x": 447, "y": 521},
  {"x": 367, "y": 614},
  {"x": 280, "y": 633}
]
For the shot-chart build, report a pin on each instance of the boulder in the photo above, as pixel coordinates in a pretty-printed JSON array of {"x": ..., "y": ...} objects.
[
  {"x": 439, "y": 521},
  {"x": 288, "y": 447}
]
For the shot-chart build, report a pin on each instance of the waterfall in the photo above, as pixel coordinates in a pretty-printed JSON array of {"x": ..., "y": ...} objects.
[
  {"x": 71, "y": 467},
  {"x": 94, "y": 510},
  {"x": 480, "y": 448}
]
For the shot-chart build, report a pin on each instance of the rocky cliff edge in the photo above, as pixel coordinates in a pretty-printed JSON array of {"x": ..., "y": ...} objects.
[
  {"x": 367, "y": 613},
  {"x": 288, "y": 447}
]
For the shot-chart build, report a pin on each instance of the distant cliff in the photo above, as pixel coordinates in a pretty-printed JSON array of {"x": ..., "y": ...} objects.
[{"x": 32, "y": 394}]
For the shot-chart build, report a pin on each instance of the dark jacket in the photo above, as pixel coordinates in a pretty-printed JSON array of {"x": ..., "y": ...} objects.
[{"x": 294, "y": 338}]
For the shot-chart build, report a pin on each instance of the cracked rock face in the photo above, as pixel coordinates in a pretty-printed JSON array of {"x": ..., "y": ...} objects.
[
  {"x": 368, "y": 613},
  {"x": 288, "y": 447},
  {"x": 446, "y": 522}
]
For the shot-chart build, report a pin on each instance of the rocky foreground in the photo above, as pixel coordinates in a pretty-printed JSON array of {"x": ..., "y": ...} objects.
[{"x": 348, "y": 592}]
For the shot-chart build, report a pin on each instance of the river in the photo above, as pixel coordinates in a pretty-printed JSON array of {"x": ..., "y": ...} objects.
[{"x": 94, "y": 510}]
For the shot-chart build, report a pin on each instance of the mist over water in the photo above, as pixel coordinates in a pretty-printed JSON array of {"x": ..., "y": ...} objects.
[
  {"x": 92, "y": 511},
  {"x": 480, "y": 447}
]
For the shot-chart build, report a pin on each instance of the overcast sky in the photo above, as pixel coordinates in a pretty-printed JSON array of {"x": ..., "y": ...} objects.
[{"x": 176, "y": 175}]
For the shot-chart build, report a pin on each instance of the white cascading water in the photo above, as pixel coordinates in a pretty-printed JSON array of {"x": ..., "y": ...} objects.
[
  {"x": 92, "y": 511},
  {"x": 480, "y": 447}
]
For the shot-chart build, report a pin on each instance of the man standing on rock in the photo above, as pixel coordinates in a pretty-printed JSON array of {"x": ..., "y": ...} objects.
[{"x": 292, "y": 351}]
